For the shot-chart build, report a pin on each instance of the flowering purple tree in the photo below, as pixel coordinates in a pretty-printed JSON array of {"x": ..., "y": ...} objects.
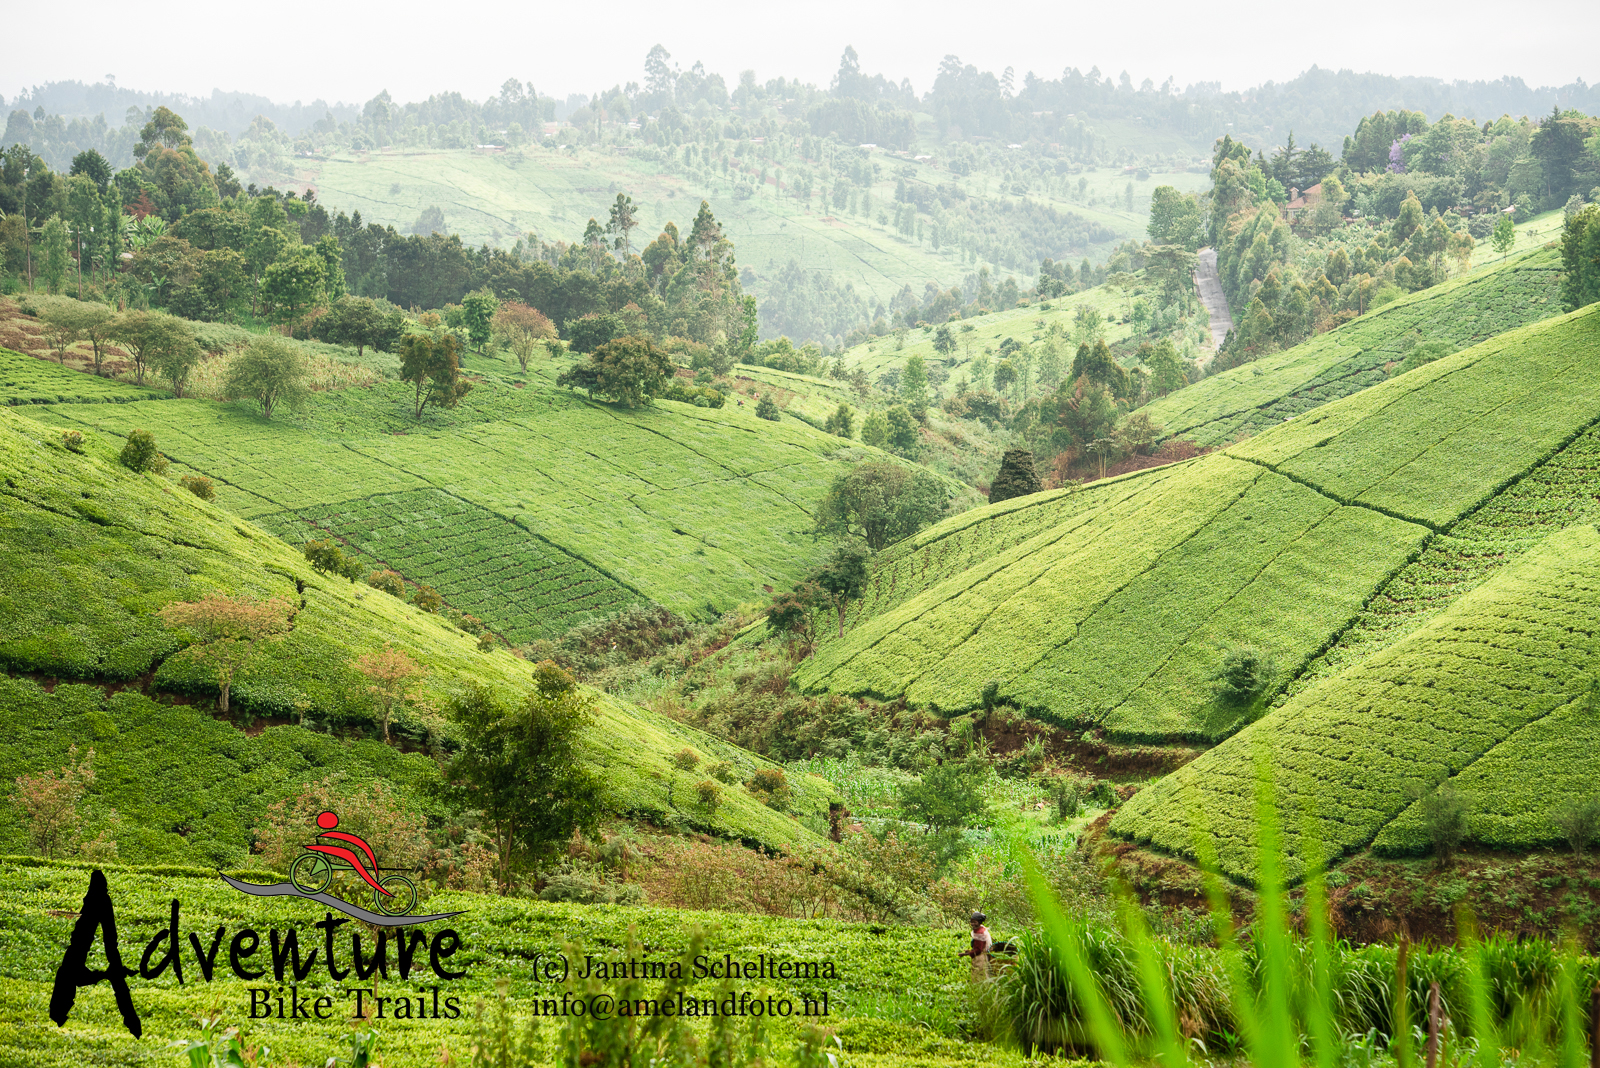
[{"x": 1397, "y": 155}]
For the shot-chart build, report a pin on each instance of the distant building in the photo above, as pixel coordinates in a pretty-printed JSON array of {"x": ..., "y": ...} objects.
[{"x": 1299, "y": 201}]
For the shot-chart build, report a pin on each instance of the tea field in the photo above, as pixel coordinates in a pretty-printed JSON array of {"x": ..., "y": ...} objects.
[
  {"x": 1464, "y": 311},
  {"x": 1115, "y": 605},
  {"x": 1493, "y": 693},
  {"x": 25, "y": 379},
  {"x": 572, "y": 508},
  {"x": 95, "y": 550},
  {"x": 900, "y": 996}
]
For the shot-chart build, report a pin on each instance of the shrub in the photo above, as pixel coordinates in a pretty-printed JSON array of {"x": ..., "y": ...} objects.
[
  {"x": 329, "y": 559},
  {"x": 1017, "y": 477},
  {"x": 1444, "y": 818},
  {"x": 1245, "y": 674},
  {"x": 1066, "y": 798},
  {"x": 770, "y": 787},
  {"x": 1579, "y": 823},
  {"x": 487, "y": 642},
  {"x": 72, "y": 440},
  {"x": 722, "y": 771},
  {"x": 766, "y": 409},
  {"x": 49, "y": 804},
  {"x": 389, "y": 582},
  {"x": 709, "y": 795},
  {"x": 140, "y": 454},
  {"x": 427, "y": 598},
  {"x": 200, "y": 486},
  {"x": 686, "y": 759}
]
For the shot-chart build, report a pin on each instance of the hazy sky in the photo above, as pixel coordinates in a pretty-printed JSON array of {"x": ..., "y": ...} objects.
[{"x": 343, "y": 51}]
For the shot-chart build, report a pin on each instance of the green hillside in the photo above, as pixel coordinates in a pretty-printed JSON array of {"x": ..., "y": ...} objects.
[
  {"x": 1255, "y": 396},
  {"x": 93, "y": 551},
  {"x": 1115, "y": 605},
  {"x": 494, "y": 198},
  {"x": 1494, "y": 692},
  {"x": 527, "y": 506}
]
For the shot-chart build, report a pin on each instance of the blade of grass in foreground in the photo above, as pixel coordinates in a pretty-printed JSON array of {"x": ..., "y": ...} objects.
[
  {"x": 1102, "y": 1026},
  {"x": 1158, "y": 999},
  {"x": 1319, "y": 1013},
  {"x": 1239, "y": 989},
  {"x": 1479, "y": 1010},
  {"x": 1276, "y": 1045}
]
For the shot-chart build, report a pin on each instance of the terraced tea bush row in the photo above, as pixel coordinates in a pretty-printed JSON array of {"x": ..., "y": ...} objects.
[
  {"x": 1558, "y": 493},
  {"x": 693, "y": 508},
  {"x": 481, "y": 563},
  {"x": 1438, "y": 441},
  {"x": 29, "y": 380},
  {"x": 1257, "y": 396},
  {"x": 95, "y": 550},
  {"x": 1472, "y": 694},
  {"x": 1118, "y": 616}
]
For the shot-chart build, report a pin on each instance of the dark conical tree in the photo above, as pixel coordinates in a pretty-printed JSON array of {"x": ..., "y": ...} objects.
[{"x": 1017, "y": 478}]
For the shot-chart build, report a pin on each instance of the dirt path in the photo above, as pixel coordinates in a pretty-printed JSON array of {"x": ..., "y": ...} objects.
[{"x": 1209, "y": 285}]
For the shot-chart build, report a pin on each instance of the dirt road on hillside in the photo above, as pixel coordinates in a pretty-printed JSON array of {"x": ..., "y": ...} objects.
[{"x": 1209, "y": 286}]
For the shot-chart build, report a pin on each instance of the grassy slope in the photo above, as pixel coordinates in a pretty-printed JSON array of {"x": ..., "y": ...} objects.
[
  {"x": 1492, "y": 691},
  {"x": 1024, "y": 324},
  {"x": 92, "y": 551},
  {"x": 889, "y": 978},
  {"x": 528, "y": 506},
  {"x": 25, "y": 379},
  {"x": 1114, "y": 604},
  {"x": 1250, "y": 398},
  {"x": 492, "y": 198}
]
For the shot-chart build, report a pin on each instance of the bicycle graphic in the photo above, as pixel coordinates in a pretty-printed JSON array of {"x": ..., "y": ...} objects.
[{"x": 392, "y": 895}]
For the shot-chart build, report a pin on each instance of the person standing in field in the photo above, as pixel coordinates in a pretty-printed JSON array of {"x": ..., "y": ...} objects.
[{"x": 979, "y": 950}]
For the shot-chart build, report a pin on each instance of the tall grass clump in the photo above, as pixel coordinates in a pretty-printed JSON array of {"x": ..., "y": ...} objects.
[{"x": 1284, "y": 991}]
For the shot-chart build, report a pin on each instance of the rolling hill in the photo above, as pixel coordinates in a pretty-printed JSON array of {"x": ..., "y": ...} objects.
[
  {"x": 1114, "y": 605},
  {"x": 527, "y": 506},
  {"x": 1493, "y": 693},
  {"x": 93, "y": 551},
  {"x": 1464, "y": 311},
  {"x": 495, "y": 197}
]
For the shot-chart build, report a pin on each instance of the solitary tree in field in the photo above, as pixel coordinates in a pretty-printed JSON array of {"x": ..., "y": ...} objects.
[
  {"x": 391, "y": 676},
  {"x": 155, "y": 340},
  {"x": 432, "y": 364},
  {"x": 270, "y": 371},
  {"x": 1505, "y": 235},
  {"x": 843, "y": 578},
  {"x": 522, "y": 329},
  {"x": 628, "y": 370},
  {"x": 520, "y": 767},
  {"x": 880, "y": 503},
  {"x": 227, "y": 632}
]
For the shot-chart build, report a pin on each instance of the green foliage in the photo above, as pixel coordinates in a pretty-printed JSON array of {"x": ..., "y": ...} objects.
[
  {"x": 199, "y": 485},
  {"x": 901, "y": 431},
  {"x": 948, "y": 796},
  {"x": 328, "y": 558},
  {"x": 875, "y": 430},
  {"x": 431, "y": 363},
  {"x": 627, "y": 370},
  {"x": 843, "y": 577},
  {"x": 272, "y": 373},
  {"x": 1580, "y": 258},
  {"x": 477, "y": 315},
  {"x": 139, "y": 453},
  {"x": 521, "y": 767},
  {"x": 1245, "y": 674},
  {"x": 1579, "y": 823},
  {"x": 881, "y": 503},
  {"x": 1017, "y": 477},
  {"x": 842, "y": 422},
  {"x": 766, "y": 409}
]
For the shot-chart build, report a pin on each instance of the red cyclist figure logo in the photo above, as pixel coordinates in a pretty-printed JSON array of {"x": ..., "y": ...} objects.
[{"x": 393, "y": 894}]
